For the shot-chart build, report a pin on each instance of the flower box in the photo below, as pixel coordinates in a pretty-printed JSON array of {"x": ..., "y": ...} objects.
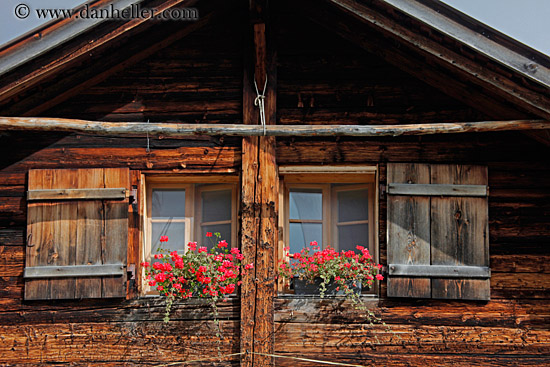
[{"x": 304, "y": 287}]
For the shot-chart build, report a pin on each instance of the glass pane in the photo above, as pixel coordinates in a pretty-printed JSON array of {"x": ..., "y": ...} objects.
[
  {"x": 353, "y": 205},
  {"x": 216, "y": 205},
  {"x": 351, "y": 236},
  {"x": 175, "y": 233},
  {"x": 168, "y": 203},
  {"x": 301, "y": 234},
  {"x": 224, "y": 229},
  {"x": 306, "y": 204}
]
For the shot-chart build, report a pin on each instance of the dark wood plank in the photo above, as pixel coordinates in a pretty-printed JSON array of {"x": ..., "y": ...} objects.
[
  {"x": 459, "y": 232},
  {"x": 72, "y": 194},
  {"x": 116, "y": 231},
  {"x": 63, "y": 229},
  {"x": 408, "y": 230},
  {"x": 91, "y": 217},
  {"x": 39, "y": 236}
]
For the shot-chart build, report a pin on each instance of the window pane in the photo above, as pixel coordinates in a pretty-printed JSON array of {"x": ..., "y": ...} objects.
[
  {"x": 351, "y": 236},
  {"x": 216, "y": 205},
  {"x": 306, "y": 204},
  {"x": 175, "y": 233},
  {"x": 353, "y": 205},
  {"x": 168, "y": 203},
  {"x": 301, "y": 234},
  {"x": 223, "y": 229}
]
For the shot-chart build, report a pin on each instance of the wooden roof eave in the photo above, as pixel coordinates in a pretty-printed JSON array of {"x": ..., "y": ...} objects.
[
  {"x": 30, "y": 47},
  {"x": 525, "y": 98},
  {"x": 515, "y": 61},
  {"x": 17, "y": 55}
]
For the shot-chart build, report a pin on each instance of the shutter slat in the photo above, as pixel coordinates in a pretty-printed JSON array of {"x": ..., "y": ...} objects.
[
  {"x": 442, "y": 271},
  {"x": 90, "y": 231},
  {"x": 80, "y": 194},
  {"x": 38, "y": 235},
  {"x": 459, "y": 232},
  {"x": 116, "y": 232},
  {"x": 437, "y": 190},
  {"x": 408, "y": 231},
  {"x": 63, "y": 234},
  {"x": 73, "y": 271}
]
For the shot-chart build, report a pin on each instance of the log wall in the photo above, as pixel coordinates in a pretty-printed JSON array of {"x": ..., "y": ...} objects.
[
  {"x": 103, "y": 332},
  {"x": 321, "y": 79},
  {"x": 511, "y": 329}
]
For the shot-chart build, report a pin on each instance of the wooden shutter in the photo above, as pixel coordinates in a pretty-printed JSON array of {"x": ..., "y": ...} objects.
[
  {"x": 77, "y": 233},
  {"x": 438, "y": 231}
]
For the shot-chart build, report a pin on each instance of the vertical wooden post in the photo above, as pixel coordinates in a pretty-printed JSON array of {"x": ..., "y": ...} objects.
[{"x": 259, "y": 198}]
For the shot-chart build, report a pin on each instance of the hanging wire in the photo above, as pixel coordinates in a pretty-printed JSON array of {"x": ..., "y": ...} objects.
[
  {"x": 259, "y": 102},
  {"x": 260, "y": 354},
  {"x": 148, "y": 150}
]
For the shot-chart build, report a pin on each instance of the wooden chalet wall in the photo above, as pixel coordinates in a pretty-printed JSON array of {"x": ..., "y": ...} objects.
[
  {"x": 196, "y": 79},
  {"x": 321, "y": 78}
]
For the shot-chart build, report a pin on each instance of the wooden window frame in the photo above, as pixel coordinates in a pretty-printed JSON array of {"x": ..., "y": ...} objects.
[
  {"x": 234, "y": 212},
  {"x": 370, "y": 221},
  {"x": 194, "y": 188},
  {"x": 316, "y": 177},
  {"x": 189, "y": 212}
]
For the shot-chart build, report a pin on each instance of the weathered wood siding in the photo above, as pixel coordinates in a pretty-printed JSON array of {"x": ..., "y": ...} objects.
[
  {"x": 196, "y": 79},
  {"x": 323, "y": 78},
  {"x": 511, "y": 329},
  {"x": 102, "y": 332}
]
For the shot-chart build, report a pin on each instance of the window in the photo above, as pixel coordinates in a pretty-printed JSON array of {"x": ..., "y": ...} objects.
[
  {"x": 186, "y": 211},
  {"x": 335, "y": 206},
  {"x": 331, "y": 214}
]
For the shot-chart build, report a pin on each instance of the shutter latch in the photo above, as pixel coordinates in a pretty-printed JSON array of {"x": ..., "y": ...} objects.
[
  {"x": 133, "y": 196},
  {"x": 131, "y": 270},
  {"x": 382, "y": 191}
]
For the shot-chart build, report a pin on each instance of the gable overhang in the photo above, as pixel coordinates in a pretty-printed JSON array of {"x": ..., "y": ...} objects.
[
  {"x": 62, "y": 44},
  {"x": 53, "y": 34},
  {"x": 511, "y": 83}
]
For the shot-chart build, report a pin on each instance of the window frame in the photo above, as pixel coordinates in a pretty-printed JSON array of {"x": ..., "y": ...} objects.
[
  {"x": 189, "y": 209},
  {"x": 360, "y": 176},
  {"x": 234, "y": 208},
  {"x": 193, "y": 186}
]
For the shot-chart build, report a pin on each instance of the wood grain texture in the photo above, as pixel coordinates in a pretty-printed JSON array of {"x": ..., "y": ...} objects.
[
  {"x": 409, "y": 230},
  {"x": 459, "y": 232},
  {"x": 261, "y": 198},
  {"x": 116, "y": 232},
  {"x": 91, "y": 216},
  {"x": 322, "y": 79},
  {"x": 94, "y": 232},
  {"x": 179, "y": 130}
]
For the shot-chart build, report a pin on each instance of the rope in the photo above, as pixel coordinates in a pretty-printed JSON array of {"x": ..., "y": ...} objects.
[
  {"x": 259, "y": 102},
  {"x": 310, "y": 360},
  {"x": 200, "y": 360},
  {"x": 148, "y": 150},
  {"x": 262, "y": 354}
]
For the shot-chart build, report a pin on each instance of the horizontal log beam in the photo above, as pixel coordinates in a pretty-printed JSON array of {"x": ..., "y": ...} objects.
[{"x": 181, "y": 130}]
